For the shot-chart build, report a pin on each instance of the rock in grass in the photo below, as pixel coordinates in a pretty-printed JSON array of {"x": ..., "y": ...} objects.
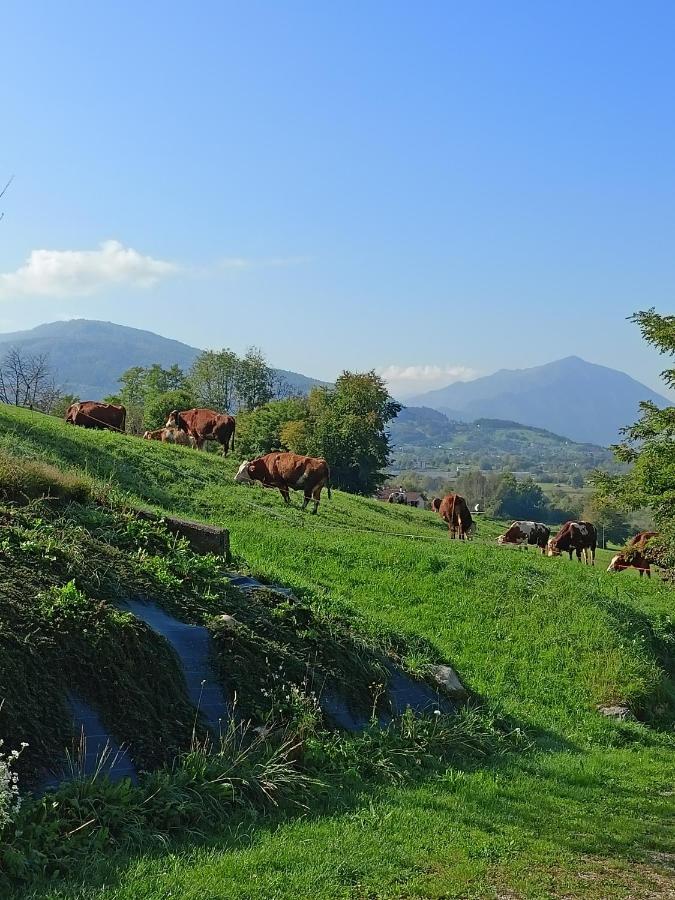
[
  {"x": 615, "y": 712},
  {"x": 446, "y": 678}
]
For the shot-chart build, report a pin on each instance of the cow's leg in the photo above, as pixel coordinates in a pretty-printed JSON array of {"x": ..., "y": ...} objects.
[
  {"x": 316, "y": 498},
  {"x": 285, "y": 494}
]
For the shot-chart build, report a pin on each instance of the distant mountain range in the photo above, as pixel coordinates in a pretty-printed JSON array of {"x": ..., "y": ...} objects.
[
  {"x": 89, "y": 356},
  {"x": 583, "y": 401}
]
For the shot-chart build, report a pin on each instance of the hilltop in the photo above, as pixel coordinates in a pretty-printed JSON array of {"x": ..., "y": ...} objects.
[
  {"x": 539, "y": 641},
  {"x": 87, "y": 356},
  {"x": 584, "y": 401}
]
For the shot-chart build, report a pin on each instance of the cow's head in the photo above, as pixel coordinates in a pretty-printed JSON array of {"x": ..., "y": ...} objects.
[
  {"x": 172, "y": 421},
  {"x": 436, "y": 504},
  {"x": 618, "y": 564},
  {"x": 501, "y": 539},
  {"x": 245, "y": 473},
  {"x": 147, "y": 436},
  {"x": 552, "y": 549}
]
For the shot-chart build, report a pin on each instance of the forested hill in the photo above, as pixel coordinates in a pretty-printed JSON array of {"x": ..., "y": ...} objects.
[
  {"x": 425, "y": 437},
  {"x": 87, "y": 357}
]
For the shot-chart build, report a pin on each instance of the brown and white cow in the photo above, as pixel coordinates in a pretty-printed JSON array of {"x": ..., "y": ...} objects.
[
  {"x": 575, "y": 537},
  {"x": 90, "y": 414},
  {"x": 634, "y": 556},
  {"x": 204, "y": 425},
  {"x": 170, "y": 436},
  {"x": 288, "y": 471},
  {"x": 534, "y": 534},
  {"x": 454, "y": 510}
]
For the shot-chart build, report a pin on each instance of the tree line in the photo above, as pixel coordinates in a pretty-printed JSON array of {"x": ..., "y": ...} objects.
[
  {"x": 218, "y": 379},
  {"x": 345, "y": 424}
]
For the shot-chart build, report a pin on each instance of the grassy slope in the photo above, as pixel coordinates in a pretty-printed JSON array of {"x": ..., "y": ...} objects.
[{"x": 544, "y": 639}]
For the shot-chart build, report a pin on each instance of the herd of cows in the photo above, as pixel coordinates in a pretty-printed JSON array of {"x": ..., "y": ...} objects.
[
  {"x": 572, "y": 537},
  {"x": 286, "y": 471}
]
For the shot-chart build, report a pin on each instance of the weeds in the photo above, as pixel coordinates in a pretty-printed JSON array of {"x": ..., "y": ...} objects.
[{"x": 23, "y": 480}]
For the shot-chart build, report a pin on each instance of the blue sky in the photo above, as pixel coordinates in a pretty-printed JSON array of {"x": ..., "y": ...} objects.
[{"x": 431, "y": 189}]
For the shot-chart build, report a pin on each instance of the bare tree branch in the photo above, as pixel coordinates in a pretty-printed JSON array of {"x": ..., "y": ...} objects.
[
  {"x": 2, "y": 192},
  {"x": 26, "y": 380}
]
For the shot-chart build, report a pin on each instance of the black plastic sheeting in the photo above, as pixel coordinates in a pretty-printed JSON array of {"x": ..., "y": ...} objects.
[
  {"x": 95, "y": 752},
  {"x": 192, "y": 644},
  {"x": 403, "y": 692},
  {"x": 246, "y": 583},
  {"x": 420, "y": 696}
]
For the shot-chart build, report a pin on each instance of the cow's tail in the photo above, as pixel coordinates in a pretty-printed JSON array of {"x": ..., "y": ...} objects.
[
  {"x": 234, "y": 425},
  {"x": 330, "y": 496}
]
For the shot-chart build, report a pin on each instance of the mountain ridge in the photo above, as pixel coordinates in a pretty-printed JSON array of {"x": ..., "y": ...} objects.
[
  {"x": 587, "y": 402},
  {"x": 89, "y": 355}
]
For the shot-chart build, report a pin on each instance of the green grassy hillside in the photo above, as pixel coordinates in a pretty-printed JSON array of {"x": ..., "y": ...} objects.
[
  {"x": 541, "y": 640},
  {"x": 558, "y": 636}
]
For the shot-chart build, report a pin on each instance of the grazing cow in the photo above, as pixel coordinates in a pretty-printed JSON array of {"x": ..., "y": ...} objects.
[
  {"x": 453, "y": 509},
  {"x": 288, "y": 471},
  {"x": 575, "y": 537},
  {"x": 205, "y": 425},
  {"x": 397, "y": 497},
  {"x": 536, "y": 534},
  {"x": 170, "y": 436},
  {"x": 634, "y": 556},
  {"x": 90, "y": 414},
  {"x": 436, "y": 504}
]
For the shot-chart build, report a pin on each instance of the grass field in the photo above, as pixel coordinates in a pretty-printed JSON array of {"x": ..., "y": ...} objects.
[{"x": 587, "y": 812}]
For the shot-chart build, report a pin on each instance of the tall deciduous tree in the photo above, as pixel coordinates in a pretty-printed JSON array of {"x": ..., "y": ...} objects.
[
  {"x": 255, "y": 380},
  {"x": 347, "y": 426},
  {"x": 213, "y": 379},
  {"x": 649, "y": 448}
]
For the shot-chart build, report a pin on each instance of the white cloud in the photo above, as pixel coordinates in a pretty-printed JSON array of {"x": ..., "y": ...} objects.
[
  {"x": 242, "y": 262},
  {"x": 411, "y": 379},
  {"x": 60, "y": 273},
  {"x": 427, "y": 373}
]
